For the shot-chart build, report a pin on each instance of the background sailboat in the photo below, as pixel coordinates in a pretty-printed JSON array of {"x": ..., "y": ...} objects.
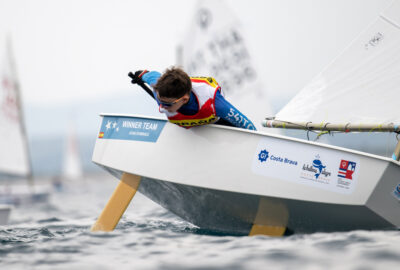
[
  {"x": 14, "y": 157},
  {"x": 72, "y": 166},
  {"x": 215, "y": 45}
]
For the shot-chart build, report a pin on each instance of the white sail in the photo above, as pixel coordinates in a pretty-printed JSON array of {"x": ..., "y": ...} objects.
[
  {"x": 361, "y": 86},
  {"x": 72, "y": 168},
  {"x": 215, "y": 46},
  {"x": 14, "y": 157}
]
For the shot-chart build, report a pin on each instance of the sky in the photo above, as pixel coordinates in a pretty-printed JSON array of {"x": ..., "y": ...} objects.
[{"x": 76, "y": 54}]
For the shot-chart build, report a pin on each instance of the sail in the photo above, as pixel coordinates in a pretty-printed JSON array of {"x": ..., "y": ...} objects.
[
  {"x": 72, "y": 168},
  {"x": 361, "y": 86},
  {"x": 215, "y": 46},
  {"x": 14, "y": 157}
]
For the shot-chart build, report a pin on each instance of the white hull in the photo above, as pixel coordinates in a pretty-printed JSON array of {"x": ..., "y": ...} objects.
[{"x": 220, "y": 178}]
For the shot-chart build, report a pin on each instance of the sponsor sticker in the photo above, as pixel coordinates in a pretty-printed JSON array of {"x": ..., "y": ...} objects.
[
  {"x": 131, "y": 128},
  {"x": 345, "y": 173},
  {"x": 316, "y": 171},
  {"x": 264, "y": 155},
  {"x": 307, "y": 165}
]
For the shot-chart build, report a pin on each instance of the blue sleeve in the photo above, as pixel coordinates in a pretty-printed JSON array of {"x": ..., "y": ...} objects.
[
  {"x": 151, "y": 77},
  {"x": 226, "y": 111}
]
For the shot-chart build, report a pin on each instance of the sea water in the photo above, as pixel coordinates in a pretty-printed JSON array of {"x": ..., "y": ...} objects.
[{"x": 56, "y": 235}]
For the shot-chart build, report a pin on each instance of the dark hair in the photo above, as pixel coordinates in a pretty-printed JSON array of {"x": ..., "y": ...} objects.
[{"x": 174, "y": 83}]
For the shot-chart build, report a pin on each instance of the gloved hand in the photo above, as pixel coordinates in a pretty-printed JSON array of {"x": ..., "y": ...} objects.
[{"x": 137, "y": 76}]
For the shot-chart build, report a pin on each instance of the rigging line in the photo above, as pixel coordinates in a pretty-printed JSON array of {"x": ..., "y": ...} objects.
[{"x": 320, "y": 134}]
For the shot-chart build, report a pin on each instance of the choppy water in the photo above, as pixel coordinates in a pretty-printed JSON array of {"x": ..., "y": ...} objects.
[{"x": 56, "y": 236}]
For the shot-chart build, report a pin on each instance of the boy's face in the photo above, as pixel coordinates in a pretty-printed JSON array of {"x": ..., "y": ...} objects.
[{"x": 173, "y": 104}]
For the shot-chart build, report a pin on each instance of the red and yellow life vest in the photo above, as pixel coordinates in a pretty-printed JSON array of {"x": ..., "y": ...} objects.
[{"x": 204, "y": 89}]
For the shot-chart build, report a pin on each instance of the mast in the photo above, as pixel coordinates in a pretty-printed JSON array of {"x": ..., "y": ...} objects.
[{"x": 20, "y": 109}]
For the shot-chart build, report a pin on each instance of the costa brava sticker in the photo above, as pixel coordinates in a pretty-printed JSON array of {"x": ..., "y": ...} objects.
[{"x": 306, "y": 164}]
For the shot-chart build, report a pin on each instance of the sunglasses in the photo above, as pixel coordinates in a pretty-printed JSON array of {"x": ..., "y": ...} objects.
[{"x": 168, "y": 104}]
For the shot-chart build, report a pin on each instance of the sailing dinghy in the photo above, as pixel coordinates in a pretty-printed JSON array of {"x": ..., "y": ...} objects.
[
  {"x": 14, "y": 154},
  {"x": 241, "y": 182}
]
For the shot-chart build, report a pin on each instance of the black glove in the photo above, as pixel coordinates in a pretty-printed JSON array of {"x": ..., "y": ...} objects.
[
  {"x": 137, "y": 76},
  {"x": 137, "y": 79}
]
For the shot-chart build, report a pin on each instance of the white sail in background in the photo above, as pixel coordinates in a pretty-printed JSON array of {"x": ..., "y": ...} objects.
[
  {"x": 14, "y": 157},
  {"x": 72, "y": 168},
  {"x": 215, "y": 46},
  {"x": 362, "y": 86}
]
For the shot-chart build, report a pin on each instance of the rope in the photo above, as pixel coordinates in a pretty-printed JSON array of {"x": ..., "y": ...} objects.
[{"x": 321, "y": 133}]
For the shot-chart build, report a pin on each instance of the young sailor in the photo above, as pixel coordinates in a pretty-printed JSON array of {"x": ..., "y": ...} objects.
[{"x": 191, "y": 101}]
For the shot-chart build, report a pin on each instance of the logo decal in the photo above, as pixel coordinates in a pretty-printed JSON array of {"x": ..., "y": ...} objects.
[
  {"x": 346, "y": 169},
  {"x": 317, "y": 168},
  {"x": 131, "y": 128},
  {"x": 263, "y": 155}
]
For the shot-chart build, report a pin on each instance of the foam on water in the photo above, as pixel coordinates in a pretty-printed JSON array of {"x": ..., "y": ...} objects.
[{"x": 57, "y": 236}]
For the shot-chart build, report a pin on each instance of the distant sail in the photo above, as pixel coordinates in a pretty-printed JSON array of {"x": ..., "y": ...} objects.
[
  {"x": 215, "y": 46},
  {"x": 362, "y": 86},
  {"x": 14, "y": 155},
  {"x": 72, "y": 168}
]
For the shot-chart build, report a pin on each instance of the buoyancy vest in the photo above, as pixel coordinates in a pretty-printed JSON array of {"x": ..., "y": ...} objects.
[{"x": 204, "y": 89}]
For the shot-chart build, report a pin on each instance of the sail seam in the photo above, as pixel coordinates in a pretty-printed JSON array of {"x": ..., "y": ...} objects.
[{"x": 390, "y": 21}]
